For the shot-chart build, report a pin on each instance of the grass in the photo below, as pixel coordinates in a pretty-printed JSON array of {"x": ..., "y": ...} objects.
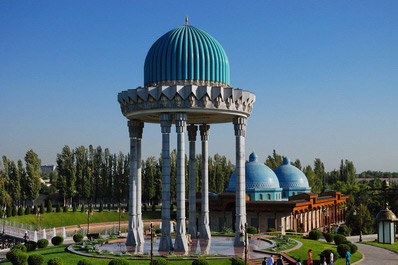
[
  {"x": 49, "y": 220},
  {"x": 281, "y": 244},
  {"x": 72, "y": 259},
  {"x": 393, "y": 247},
  {"x": 317, "y": 247}
]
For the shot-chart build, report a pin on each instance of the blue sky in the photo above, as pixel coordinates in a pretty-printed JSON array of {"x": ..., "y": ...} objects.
[{"x": 325, "y": 74}]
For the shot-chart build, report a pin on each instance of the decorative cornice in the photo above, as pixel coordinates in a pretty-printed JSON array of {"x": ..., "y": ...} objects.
[{"x": 179, "y": 97}]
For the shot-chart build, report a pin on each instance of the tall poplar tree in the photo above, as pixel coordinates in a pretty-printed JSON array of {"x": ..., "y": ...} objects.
[
  {"x": 66, "y": 172},
  {"x": 33, "y": 174}
]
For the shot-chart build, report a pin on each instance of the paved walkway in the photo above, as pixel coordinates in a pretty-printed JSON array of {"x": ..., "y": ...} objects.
[{"x": 373, "y": 255}]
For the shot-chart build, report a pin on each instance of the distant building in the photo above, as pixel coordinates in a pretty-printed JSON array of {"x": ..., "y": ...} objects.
[
  {"x": 48, "y": 168},
  {"x": 280, "y": 199}
]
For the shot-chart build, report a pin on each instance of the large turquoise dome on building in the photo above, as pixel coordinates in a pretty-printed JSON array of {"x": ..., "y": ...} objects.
[
  {"x": 261, "y": 181},
  {"x": 291, "y": 179},
  {"x": 186, "y": 56}
]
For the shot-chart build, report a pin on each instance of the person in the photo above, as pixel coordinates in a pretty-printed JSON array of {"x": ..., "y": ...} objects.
[
  {"x": 279, "y": 261},
  {"x": 331, "y": 258},
  {"x": 309, "y": 261},
  {"x": 264, "y": 261},
  {"x": 270, "y": 261},
  {"x": 347, "y": 257},
  {"x": 322, "y": 260},
  {"x": 298, "y": 262},
  {"x": 25, "y": 238}
]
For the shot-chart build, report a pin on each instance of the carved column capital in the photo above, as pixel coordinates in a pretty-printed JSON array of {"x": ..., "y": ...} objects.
[
  {"x": 165, "y": 122},
  {"x": 180, "y": 120},
  {"x": 204, "y": 132},
  {"x": 135, "y": 128},
  {"x": 240, "y": 126},
  {"x": 192, "y": 129}
]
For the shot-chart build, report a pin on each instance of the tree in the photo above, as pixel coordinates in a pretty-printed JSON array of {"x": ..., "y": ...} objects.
[
  {"x": 319, "y": 170},
  {"x": 297, "y": 163},
  {"x": 274, "y": 161},
  {"x": 148, "y": 179},
  {"x": 66, "y": 172},
  {"x": 347, "y": 172},
  {"x": 82, "y": 181},
  {"x": 33, "y": 174},
  {"x": 14, "y": 182},
  {"x": 313, "y": 181}
]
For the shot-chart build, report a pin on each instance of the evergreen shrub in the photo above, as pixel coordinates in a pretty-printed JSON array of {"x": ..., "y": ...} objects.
[
  {"x": 21, "y": 247},
  {"x": 153, "y": 207},
  {"x": 160, "y": 261},
  {"x": 50, "y": 206},
  {"x": 9, "y": 211},
  {"x": 326, "y": 253},
  {"x": 78, "y": 238},
  {"x": 58, "y": 208},
  {"x": 42, "y": 243},
  {"x": 101, "y": 208},
  {"x": 158, "y": 230},
  {"x": 339, "y": 239},
  {"x": 200, "y": 262},
  {"x": 17, "y": 257},
  {"x": 344, "y": 230},
  {"x": 35, "y": 259},
  {"x": 42, "y": 210},
  {"x": 55, "y": 261},
  {"x": 353, "y": 247},
  {"x": 35, "y": 210},
  {"x": 57, "y": 240},
  {"x": 145, "y": 208},
  {"x": 28, "y": 210},
  {"x": 329, "y": 237},
  {"x": 21, "y": 211},
  {"x": 315, "y": 234},
  {"x": 271, "y": 230},
  {"x": 237, "y": 261},
  {"x": 290, "y": 230},
  {"x": 84, "y": 262},
  {"x": 252, "y": 230},
  {"x": 74, "y": 208},
  {"x": 118, "y": 261},
  {"x": 14, "y": 210},
  {"x": 65, "y": 209},
  {"x": 109, "y": 206},
  {"x": 82, "y": 209},
  {"x": 31, "y": 245},
  {"x": 342, "y": 248}
]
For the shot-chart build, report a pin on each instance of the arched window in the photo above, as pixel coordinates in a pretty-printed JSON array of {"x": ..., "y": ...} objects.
[
  {"x": 269, "y": 196},
  {"x": 284, "y": 194},
  {"x": 261, "y": 197}
]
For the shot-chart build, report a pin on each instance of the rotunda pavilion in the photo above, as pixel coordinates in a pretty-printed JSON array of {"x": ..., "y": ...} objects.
[{"x": 186, "y": 83}]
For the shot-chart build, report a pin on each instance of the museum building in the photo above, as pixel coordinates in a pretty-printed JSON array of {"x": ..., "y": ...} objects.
[{"x": 279, "y": 199}]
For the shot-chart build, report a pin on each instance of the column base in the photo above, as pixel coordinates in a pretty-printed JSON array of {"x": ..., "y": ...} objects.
[
  {"x": 140, "y": 230},
  {"x": 131, "y": 238},
  {"x": 237, "y": 241},
  {"x": 165, "y": 243},
  {"x": 181, "y": 244},
  {"x": 205, "y": 232},
  {"x": 192, "y": 231}
]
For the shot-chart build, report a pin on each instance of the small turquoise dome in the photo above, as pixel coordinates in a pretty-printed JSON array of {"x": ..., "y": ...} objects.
[
  {"x": 290, "y": 176},
  {"x": 186, "y": 53},
  {"x": 258, "y": 176}
]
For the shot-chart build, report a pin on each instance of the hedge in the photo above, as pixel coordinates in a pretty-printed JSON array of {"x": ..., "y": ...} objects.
[
  {"x": 160, "y": 261},
  {"x": 35, "y": 259},
  {"x": 78, "y": 238},
  {"x": 42, "y": 243},
  {"x": 31, "y": 245},
  {"x": 118, "y": 261},
  {"x": 200, "y": 262},
  {"x": 57, "y": 240},
  {"x": 55, "y": 261},
  {"x": 339, "y": 239},
  {"x": 328, "y": 237},
  {"x": 315, "y": 234},
  {"x": 342, "y": 249}
]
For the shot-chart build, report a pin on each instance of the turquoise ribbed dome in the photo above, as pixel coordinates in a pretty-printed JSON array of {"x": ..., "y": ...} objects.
[
  {"x": 186, "y": 53},
  {"x": 290, "y": 176},
  {"x": 258, "y": 176}
]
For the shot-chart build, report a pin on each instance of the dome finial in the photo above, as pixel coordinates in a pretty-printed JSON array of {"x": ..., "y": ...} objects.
[{"x": 186, "y": 20}]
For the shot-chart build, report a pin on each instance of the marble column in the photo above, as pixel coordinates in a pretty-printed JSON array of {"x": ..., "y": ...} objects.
[
  {"x": 204, "y": 217},
  {"x": 192, "y": 129},
  {"x": 165, "y": 243},
  {"x": 240, "y": 133},
  {"x": 181, "y": 243},
  {"x": 140, "y": 224},
  {"x": 132, "y": 231}
]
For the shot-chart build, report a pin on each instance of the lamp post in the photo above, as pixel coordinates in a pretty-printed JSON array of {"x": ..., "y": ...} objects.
[
  {"x": 89, "y": 212},
  {"x": 120, "y": 217},
  {"x": 360, "y": 220},
  {"x": 152, "y": 239},
  {"x": 244, "y": 240}
]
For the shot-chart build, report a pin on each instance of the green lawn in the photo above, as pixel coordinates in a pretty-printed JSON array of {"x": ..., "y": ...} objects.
[
  {"x": 317, "y": 247},
  {"x": 393, "y": 247},
  {"x": 72, "y": 259},
  {"x": 50, "y": 220}
]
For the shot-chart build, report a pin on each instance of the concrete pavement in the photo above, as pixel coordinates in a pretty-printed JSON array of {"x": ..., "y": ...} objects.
[{"x": 373, "y": 255}]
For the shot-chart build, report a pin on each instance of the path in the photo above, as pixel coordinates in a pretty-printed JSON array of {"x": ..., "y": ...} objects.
[{"x": 373, "y": 255}]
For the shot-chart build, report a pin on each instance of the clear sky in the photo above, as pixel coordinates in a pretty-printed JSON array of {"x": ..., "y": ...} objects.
[{"x": 325, "y": 74}]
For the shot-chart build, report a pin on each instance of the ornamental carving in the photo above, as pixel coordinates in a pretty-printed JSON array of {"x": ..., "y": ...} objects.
[
  {"x": 228, "y": 103},
  {"x": 205, "y": 100},
  {"x": 164, "y": 100},
  {"x": 192, "y": 100},
  {"x": 177, "y": 100},
  {"x": 151, "y": 101},
  {"x": 218, "y": 101},
  {"x": 238, "y": 103}
]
